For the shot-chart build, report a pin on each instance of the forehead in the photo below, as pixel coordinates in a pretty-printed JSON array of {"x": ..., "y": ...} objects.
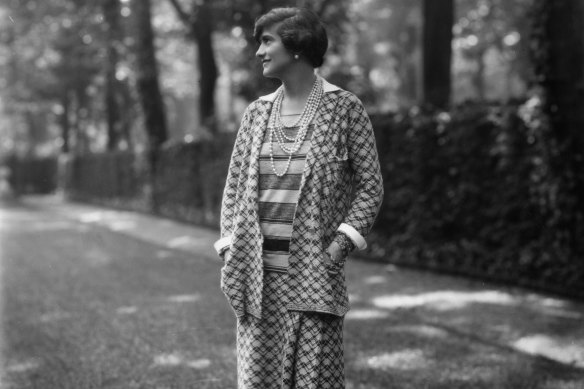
[{"x": 271, "y": 30}]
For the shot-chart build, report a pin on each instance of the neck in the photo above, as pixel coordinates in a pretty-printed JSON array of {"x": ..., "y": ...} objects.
[{"x": 299, "y": 84}]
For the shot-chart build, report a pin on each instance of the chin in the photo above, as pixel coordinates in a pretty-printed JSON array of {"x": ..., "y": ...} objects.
[{"x": 268, "y": 74}]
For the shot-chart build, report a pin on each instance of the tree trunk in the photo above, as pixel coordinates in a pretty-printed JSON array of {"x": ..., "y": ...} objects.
[
  {"x": 479, "y": 76},
  {"x": 149, "y": 93},
  {"x": 199, "y": 23},
  {"x": 438, "y": 18},
  {"x": 203, "y": 30},
  {"x": 148, "y": 87},
  {"x": 82, "y": 141},
  {"x": 32, "y": 133},
  {"x": 111, "y": 12},
  {"x": 65, "y": 124},
  {"x": 558, "y": 54}
]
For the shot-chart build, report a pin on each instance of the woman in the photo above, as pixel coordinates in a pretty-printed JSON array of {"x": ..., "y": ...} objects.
[{"x": 302, "y": 191}]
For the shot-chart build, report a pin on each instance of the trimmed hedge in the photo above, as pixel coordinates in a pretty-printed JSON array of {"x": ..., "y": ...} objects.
[
  {"x": 190, "y": 178},
  {"x": 28, "y": 176},
  {"x": 466, "y": 191},
  {"x": 187, "y": 184},
  {"x": 465, "y": 194},
  {"x": 118, "y": 179}
]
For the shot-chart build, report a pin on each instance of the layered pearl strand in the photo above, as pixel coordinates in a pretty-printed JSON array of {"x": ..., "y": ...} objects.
[{"x": 277, "y": 127}]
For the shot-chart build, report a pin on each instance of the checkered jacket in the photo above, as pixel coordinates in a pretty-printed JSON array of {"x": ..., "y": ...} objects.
[{"x": 341, "y": 189}]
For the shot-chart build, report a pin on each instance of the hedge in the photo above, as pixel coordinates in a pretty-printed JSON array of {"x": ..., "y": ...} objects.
[
  {"x": 465, "y": 194},
  {"x": 467, "y": 191},
  {"x": 32, "y": 175}
]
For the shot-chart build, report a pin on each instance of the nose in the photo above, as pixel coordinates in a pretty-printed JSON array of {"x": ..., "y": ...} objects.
[{"x": 260, "y": 52}]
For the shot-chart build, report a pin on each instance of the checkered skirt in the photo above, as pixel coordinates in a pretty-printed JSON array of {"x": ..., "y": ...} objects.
[{"x": 289, "y": 349}]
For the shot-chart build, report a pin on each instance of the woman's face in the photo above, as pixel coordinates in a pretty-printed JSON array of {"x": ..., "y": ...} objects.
[{"x": 276, "y": 59}]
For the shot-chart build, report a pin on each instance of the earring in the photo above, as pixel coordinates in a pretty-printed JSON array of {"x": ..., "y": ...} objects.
[{"x": 296, "y": 56}]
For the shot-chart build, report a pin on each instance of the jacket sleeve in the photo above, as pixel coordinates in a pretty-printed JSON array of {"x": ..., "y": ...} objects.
[
  {"x": 229, "y": 202},
  {"x": 364, "y": 162}
]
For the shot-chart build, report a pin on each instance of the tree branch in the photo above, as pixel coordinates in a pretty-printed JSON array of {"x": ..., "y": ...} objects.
[{"x": 182, "y": 15}]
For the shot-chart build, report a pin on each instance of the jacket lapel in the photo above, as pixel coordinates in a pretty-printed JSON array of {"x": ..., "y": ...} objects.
[
  {"x": 258, "y": 130},
  {"x": 320, "y": 139}
]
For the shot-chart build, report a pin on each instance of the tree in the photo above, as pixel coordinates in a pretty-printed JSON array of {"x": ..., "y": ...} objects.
[
  {"x": 486, "y": 27},
  {"x": 205, "y": 17},
  {"x": 147, "y": 82},
  {"x": 115, "y": 94},
  {"x": 438, "y": 16},
  {"x": 199, "y": 22},
  {"x": 54, "y": 64},
  {"x": 557, "y": 46}
]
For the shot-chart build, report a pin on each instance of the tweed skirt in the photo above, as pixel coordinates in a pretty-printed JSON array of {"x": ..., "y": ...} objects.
[{"x": 289, "y": 349}]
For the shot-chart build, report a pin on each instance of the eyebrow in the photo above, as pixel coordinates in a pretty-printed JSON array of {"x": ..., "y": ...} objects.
[{"x": 266, "y": 35}]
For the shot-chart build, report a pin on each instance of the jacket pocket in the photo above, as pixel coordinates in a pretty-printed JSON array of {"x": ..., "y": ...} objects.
[
  {"x": 336, "y": 167},
  {"x": 339, "y": 155}
]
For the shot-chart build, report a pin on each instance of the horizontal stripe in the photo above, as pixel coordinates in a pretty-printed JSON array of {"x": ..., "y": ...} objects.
[
  {"x": 287, "y": 182},
  {"x": 277, "y": 260},
  {"x": 277, "y": 150},
  {"x": 279, "y": 153},
  {"x": 275, "y": 269},
  {"x": 290, "y": 132},
  {"x": 277, "y": 245},
  {"x": 267, "y": 173},
  {"x": 283, "y": 158},
  {"x": 276, "y": 212},
  {"x": 273, "y": 220},
  {"x": 276, "y": 230},
  {"x": 279, "y": 196}
]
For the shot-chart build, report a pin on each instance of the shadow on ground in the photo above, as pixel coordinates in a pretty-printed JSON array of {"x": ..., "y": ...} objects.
[
  {"x": 87, "y": 306},
  {"x": 416, "y": 330}
]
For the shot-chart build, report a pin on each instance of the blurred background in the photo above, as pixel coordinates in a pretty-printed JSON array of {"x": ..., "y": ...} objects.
[{"x": 478, "y": 109}]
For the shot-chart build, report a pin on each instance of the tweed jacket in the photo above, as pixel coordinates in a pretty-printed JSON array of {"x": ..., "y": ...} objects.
[{"x": 341, "y": 189}]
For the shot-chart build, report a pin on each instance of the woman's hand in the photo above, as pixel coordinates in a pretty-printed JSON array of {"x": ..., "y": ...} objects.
[
  {"x": 226, "y": 255},
  {"x": 334, "y": 260}
]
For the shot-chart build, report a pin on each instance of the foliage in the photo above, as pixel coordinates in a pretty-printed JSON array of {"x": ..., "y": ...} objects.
[
  {"x": 465, "y": 192},
  {"x": 489, "y": 190},
  {"x": 557, "y": 117},
  {"x": 56, "y": 67},
  {"x": 237, "y": 23},
  {"x": 34, "y": 176},
  {"x": 56, "y": 55},
  {"x": 377, "y": 56},
  {"x": 491, "y": 48}
]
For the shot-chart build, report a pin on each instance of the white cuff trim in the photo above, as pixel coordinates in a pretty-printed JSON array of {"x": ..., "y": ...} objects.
[
  {"x": 222, "y": 243},
  {"x": 354, "y": 235}
]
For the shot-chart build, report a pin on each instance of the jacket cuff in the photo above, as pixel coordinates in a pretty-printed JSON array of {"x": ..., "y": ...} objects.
[
  {"x": 222, "y": 243},
  {"x": 354, "y": 235}
]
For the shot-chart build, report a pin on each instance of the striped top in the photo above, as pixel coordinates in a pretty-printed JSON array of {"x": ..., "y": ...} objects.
[{"x": 278, "y": 197}]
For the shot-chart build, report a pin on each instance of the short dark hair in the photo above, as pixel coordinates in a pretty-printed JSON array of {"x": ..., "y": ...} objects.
[{"x": 300, "y": 29}]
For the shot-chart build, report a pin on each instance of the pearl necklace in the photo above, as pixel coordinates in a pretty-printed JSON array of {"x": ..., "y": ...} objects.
[{"x": 277, "y": 127}]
